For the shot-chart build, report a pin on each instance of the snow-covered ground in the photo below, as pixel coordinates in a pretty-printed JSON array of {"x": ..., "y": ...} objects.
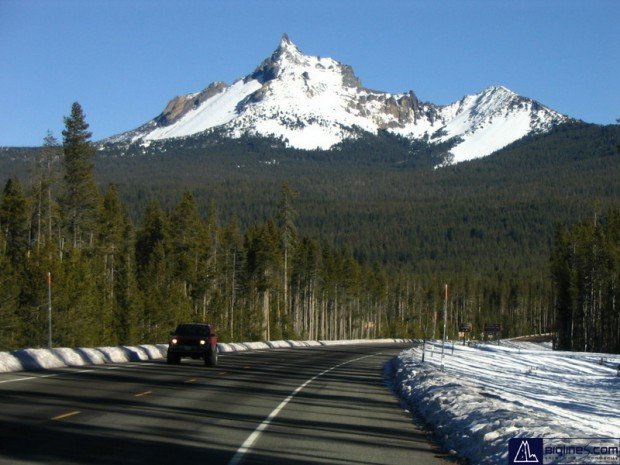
[{"x": 487, "y": 394}]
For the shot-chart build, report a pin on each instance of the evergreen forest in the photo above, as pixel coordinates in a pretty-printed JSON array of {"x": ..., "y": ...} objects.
[
  {"x": 586, "y": 275},
  {"x": 267, "y": 242}
]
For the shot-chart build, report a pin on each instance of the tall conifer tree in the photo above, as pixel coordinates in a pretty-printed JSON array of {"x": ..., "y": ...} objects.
[
  {"x": 80, "y": 198},
  {"x": 286, "y": 219}
]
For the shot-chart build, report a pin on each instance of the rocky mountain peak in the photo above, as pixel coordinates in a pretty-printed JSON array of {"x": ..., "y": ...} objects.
[
  {"x": 310, "y": 101},
  {"x": 287, "y": 44},
  {"x": 286, "y": 52}
]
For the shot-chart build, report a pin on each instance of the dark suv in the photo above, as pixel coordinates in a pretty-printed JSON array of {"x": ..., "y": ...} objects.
[{"x": 193, "y": 340}]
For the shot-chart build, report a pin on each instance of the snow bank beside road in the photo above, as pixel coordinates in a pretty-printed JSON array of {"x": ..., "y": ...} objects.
[
  {"x": 37, "y": 359},
  {"x": 244, "y": 346},
  {"x": 489, "y": 394}
]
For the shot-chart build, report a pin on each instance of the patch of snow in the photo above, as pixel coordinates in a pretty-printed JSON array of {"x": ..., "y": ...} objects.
[
  {"x": 231, "y": 347},
  {"x": 278, "y": 345},
  {"x": 490, "y": 138},
  {"x": 256, "y": 345},
  {"x": 9, "y": 362},
  {"x": 304, "y": 343}
]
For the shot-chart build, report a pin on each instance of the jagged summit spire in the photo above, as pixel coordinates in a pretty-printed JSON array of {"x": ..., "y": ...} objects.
[
  {"x": 285, "y": 40},
  {"x": 287, "y": 52},
  {"x": 500, "y": 89},
  {"x": 286, "y": 45}
]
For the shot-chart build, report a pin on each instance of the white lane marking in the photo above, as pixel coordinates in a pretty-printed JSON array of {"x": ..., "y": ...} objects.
[
  {"x": 249, "y": 442},
  {"x": 66, "y": 415},
  {"x": 128, "y": 366},
  {"x": 45, "y": 376},
  {"x": 17, "y": 379}
]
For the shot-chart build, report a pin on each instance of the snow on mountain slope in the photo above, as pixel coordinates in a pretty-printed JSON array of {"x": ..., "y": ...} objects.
[
  {"x": 488, "y": 121},
  {"x": 311, "y": 102},
  {"x": 216, "y": 111}
]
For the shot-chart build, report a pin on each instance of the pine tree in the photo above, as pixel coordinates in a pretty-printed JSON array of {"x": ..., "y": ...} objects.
[
  {"x": 10, "y": 283},
  {"x": 42, "y": 180},
  {"x": 77, "y": 302},
  {"x": 14, "y": 223},
  {"x": 117, "y": 281},
  {"x": 262, "y": 265},
  {"x": 153, "y": 233},
  {"x": 211, "y": 268},
  {"x": 80, "y": 199},
  {"x": 165, "y": 299},
  {"x": 232, "y": 248},
  {"x": 186, "y": 232},
  {"x": 127, "y": 294},
  {"x": 288, "y": 232}
]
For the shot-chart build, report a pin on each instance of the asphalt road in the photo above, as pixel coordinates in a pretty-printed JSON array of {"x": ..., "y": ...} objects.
[{"x": 324, "y": 405}]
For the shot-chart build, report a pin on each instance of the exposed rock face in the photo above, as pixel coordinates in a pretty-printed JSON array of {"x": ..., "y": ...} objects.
[
  {"x": 179, "y": 106},
  {"x": 349, "y": 79}
]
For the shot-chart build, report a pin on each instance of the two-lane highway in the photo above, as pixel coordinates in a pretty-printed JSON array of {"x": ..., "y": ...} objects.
[{"x": 324, "y": 405}]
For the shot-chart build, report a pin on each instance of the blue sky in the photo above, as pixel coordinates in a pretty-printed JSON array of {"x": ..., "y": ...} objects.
[{"x": 123, "y": 60}]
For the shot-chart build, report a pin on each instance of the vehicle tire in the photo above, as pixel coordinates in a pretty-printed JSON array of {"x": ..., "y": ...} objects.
[
  {"x": 211, "y": 357},
  {"x": 173, "y": 359}
]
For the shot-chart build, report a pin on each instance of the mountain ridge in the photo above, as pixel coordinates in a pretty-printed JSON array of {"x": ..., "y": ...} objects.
[{"x": 311, "y": 102}]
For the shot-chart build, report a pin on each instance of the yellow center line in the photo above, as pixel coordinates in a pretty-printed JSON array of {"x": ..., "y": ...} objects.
[
  {"x": 193, "y": 380},
  {"x": 65, "y": 415},
  {"x": 145, "y": 393}
]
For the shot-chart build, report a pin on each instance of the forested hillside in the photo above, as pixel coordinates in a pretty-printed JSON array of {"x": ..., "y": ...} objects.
[
  {"x": 377, "y": 231},
  {"x": 381, "y": 197}
]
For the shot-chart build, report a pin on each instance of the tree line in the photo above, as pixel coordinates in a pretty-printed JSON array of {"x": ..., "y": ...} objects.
[{"x": 126, "y": 272}]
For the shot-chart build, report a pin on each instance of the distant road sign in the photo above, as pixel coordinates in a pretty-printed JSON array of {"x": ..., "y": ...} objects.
[
  {"x": 493, "y": 328},
  {"x": 465, "y": 328}
]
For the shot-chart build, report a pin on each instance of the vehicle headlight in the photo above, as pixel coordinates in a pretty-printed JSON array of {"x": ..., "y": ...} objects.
[
  {"x": 202, "y": 342},
  {"x": 174, "y": 340}
]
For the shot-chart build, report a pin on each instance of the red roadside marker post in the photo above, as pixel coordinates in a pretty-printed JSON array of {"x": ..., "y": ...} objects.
[
  {"x": 445, "y": 312},
  {"x": 49, "y": 309}
]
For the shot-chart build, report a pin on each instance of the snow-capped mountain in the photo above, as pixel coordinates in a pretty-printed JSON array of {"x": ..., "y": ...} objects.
[{"x": 311, "y": 102}]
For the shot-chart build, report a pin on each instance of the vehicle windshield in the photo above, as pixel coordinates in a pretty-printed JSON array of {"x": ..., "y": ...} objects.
[{"x": 193, "y": 330}]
